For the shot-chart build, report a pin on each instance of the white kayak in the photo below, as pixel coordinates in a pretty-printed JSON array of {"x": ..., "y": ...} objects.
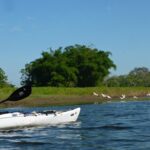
[{"x": 18, "y": 120}]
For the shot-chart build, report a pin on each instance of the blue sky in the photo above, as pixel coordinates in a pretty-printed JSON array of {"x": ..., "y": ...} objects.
[{"x": 28, "y": 27}]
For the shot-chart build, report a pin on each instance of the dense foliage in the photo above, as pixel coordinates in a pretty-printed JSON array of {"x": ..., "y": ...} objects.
[
  {"x": 3, "y": 78},
  {"x": 137, "y": 77},
  {"x": 73, "y": 66}
]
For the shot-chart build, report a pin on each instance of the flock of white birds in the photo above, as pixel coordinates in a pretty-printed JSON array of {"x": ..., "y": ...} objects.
[{"x": 123, "y": 96}]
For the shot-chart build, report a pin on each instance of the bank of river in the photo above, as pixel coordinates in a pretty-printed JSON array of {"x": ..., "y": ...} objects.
[
  {"x": 50, "y": 96},
  {"x": 57, "y": 100}
]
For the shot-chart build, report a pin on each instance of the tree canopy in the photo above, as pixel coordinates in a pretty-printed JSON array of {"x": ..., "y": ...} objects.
[
  {"x": 3, "y": 78},
  {"x": 73, "y": 66},
  {"x": 137, "y": 77}
]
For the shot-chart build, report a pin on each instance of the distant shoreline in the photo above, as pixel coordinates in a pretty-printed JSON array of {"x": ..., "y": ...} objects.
[
  {"x": 64, "y": 101},
  {"x": 51, "y": 96}
]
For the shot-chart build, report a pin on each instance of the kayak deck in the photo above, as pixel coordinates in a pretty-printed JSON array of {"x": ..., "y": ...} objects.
[{"x": 18, "y": 119}]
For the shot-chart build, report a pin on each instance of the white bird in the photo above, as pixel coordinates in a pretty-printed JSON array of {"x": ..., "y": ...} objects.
[
  {"x": 95, "y": 94},
  {"x": 123, "y": 96},
  {"x": 109, "y": 97},
  {"x": 104, "y": 95},
  {"x": 148, "y": 94}
]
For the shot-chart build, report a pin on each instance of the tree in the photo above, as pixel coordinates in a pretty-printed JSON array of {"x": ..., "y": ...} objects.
[
  {"x": 3, "y": 78},
  {"x": 92, "y": 64},
  {"x": 137, "y": 77},
  {"x": 76, "y": 65}
]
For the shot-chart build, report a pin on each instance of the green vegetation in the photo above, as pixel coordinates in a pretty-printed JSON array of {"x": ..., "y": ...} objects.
[
  {"x": 3, "y": 79},
  {"x": 50, "y": 96},
  {"x": 112, "y": 91},
  {"x": 70, "y": 76},
  {"x": 77, "y": 66},
  {"x": 88, "y": 91},
  {"x": 137, "y": 77},
  {"x": 73, "y": 66}
]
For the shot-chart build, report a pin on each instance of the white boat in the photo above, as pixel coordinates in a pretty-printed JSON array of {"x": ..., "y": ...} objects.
[{"x": 18, "y": 120}]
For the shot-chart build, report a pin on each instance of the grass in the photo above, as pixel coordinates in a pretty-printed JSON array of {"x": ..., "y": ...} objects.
[
  {"x": 48, "y": 96},
  {"x": 112, "y": 91}
]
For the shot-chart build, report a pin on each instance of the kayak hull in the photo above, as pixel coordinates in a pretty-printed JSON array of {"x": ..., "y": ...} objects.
[{"x": 18, "y": 120}]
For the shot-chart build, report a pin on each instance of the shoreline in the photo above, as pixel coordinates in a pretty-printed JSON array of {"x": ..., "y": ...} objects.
[
  {"x": 61, "y": 96},
  {"x": 61, "y": 100}
]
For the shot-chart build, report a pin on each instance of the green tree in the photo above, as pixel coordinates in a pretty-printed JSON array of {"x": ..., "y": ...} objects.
[
  {"x": 3, "y": 78},
  {"x": 76, "y": 65},
  {"x": 139, "y": 77},
  {"x": 136, "y": 77},
  {"x": 92, "y": 64}
]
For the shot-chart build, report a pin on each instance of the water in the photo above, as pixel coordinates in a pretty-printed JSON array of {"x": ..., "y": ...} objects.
[{"x": 110, "y": 126}]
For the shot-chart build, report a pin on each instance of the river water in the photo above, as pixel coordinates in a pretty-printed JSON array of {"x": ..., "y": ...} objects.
[{"x": 109, "y": 126}]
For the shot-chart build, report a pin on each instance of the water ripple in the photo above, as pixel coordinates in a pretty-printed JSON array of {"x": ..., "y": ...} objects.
[{"x": 112, "y": 126}]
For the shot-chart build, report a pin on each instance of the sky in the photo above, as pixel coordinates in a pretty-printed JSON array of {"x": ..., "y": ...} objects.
[{"x": 28, "y": 27}]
